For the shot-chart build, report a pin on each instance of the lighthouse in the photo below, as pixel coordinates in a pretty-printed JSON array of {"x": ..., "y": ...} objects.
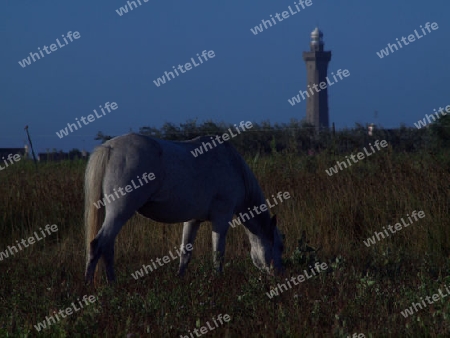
[{"x": 317, "y": 60}]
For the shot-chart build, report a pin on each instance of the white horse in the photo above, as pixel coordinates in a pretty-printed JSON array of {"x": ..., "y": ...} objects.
[{"x": 210, "y": 187}]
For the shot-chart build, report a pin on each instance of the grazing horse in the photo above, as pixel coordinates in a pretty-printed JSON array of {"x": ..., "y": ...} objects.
[{"x": 179, "y": 187}]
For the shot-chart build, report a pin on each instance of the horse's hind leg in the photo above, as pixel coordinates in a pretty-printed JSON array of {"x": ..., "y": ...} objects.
[
  {"x": 103, "y": 245},
  {"x": 94, "y": 256},
  {"x": 189, "y": 233}
]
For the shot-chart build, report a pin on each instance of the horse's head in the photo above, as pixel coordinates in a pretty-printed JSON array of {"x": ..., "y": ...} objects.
[{"x": 267, "y": 249}]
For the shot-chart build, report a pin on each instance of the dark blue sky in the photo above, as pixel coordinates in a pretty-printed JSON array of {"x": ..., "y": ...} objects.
[{"x": 251, "y": 77}]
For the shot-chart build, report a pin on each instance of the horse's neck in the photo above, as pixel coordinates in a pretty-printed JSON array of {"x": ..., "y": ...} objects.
[
  {"x": 253, "y": 193},
  {"x": 255, "y": 198}
]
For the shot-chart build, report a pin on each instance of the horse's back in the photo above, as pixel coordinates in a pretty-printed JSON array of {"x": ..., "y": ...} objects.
[{"x": 190, "y": 185}]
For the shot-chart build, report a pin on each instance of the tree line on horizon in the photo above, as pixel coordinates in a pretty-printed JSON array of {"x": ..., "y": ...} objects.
[{"x": 301, "y": 137}]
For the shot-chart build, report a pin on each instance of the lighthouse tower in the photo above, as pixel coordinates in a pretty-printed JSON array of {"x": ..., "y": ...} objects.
[{"x": 316, "y": 67}]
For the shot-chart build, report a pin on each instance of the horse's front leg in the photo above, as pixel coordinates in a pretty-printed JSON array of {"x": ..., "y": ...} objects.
[
  {"x": 219, "y": 234},
  {"x": 189, "y": 233}
]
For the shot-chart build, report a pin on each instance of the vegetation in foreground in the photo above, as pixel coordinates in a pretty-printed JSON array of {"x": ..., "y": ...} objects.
[{"x": 364, "y": 291}]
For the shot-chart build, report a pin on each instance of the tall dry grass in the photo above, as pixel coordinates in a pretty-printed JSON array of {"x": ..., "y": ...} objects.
[{"x": 363, "y": 291}]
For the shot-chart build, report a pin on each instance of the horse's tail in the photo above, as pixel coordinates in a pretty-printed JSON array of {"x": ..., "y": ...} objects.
[{"x": 94, "y": 208}]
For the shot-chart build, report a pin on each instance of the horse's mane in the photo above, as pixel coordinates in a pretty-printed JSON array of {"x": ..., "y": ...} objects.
[{"x": 253, "y": 192}]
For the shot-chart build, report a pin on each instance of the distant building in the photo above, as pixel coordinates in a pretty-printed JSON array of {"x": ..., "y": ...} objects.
[
  {"x": 23, "y": 152},
  {"x": 47, "y": 156}
]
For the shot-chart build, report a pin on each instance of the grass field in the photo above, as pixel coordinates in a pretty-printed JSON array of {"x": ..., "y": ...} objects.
[{"x": 364, "y": 290}]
